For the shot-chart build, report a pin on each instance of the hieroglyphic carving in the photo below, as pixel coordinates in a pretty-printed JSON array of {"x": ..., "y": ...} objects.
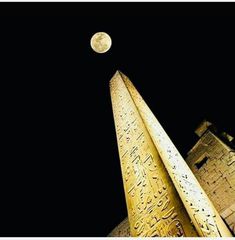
[
  {"x": 217, "y": 174},
  {"x": 154, "y": 206},
  {"x": 231, "y": 158},
  {"x": 200, "y": 209}
]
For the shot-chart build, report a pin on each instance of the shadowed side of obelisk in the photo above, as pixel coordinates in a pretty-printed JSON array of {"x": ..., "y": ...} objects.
[
  {"x": 153, "y": 204},
  {"x": 205, "y": 218}
]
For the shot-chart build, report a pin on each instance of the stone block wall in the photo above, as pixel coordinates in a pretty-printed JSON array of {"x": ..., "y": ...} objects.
[{"x": 213, "y": 164}]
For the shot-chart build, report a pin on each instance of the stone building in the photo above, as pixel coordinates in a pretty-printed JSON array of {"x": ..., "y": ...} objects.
[{"x": 212, "y": 160}]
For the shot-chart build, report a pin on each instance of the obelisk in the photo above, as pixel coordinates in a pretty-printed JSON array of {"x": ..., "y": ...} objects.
[
  {"x": 154, "y": 206},
  {"x": 163, "y": 197}
]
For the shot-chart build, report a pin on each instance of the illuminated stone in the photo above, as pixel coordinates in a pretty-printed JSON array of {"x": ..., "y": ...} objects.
[
  {"x": 213, "y": 163},
  {"x": 163, "y": 197}
]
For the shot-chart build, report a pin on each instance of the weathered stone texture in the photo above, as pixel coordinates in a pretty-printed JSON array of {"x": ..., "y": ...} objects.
[{"x": 213, "y": 164}]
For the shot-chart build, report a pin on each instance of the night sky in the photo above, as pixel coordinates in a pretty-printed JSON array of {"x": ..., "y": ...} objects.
[{"x": 60, "y": 170}]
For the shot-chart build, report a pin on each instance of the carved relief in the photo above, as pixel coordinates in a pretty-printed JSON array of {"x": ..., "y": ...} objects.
[
  {"x": 158, "y": 159},
  {"x": 152, "y": 201}
]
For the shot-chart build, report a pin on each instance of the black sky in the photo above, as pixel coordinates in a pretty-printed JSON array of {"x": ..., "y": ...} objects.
[{"x": 60, "y": 172}]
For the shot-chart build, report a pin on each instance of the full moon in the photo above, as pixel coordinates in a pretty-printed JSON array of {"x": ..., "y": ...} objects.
[{"x": 101, "y": 42}]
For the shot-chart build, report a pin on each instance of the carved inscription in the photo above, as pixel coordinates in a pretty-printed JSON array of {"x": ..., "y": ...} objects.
[
  {"x": 203, "y": 214},
  {"x": 154, "y": 206}
]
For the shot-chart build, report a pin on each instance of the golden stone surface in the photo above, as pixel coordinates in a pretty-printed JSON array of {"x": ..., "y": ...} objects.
[
  {"x": 213, "y": 164},
  {"x": 163, "y": 197}
]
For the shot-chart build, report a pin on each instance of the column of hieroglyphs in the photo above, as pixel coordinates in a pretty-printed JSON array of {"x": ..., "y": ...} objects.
[
  {"x": 200, "y": 209},
  {"x": 154, "y": 206}
]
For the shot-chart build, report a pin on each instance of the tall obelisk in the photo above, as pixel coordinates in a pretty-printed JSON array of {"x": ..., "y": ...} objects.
[{"x": 162, "y": 195}]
